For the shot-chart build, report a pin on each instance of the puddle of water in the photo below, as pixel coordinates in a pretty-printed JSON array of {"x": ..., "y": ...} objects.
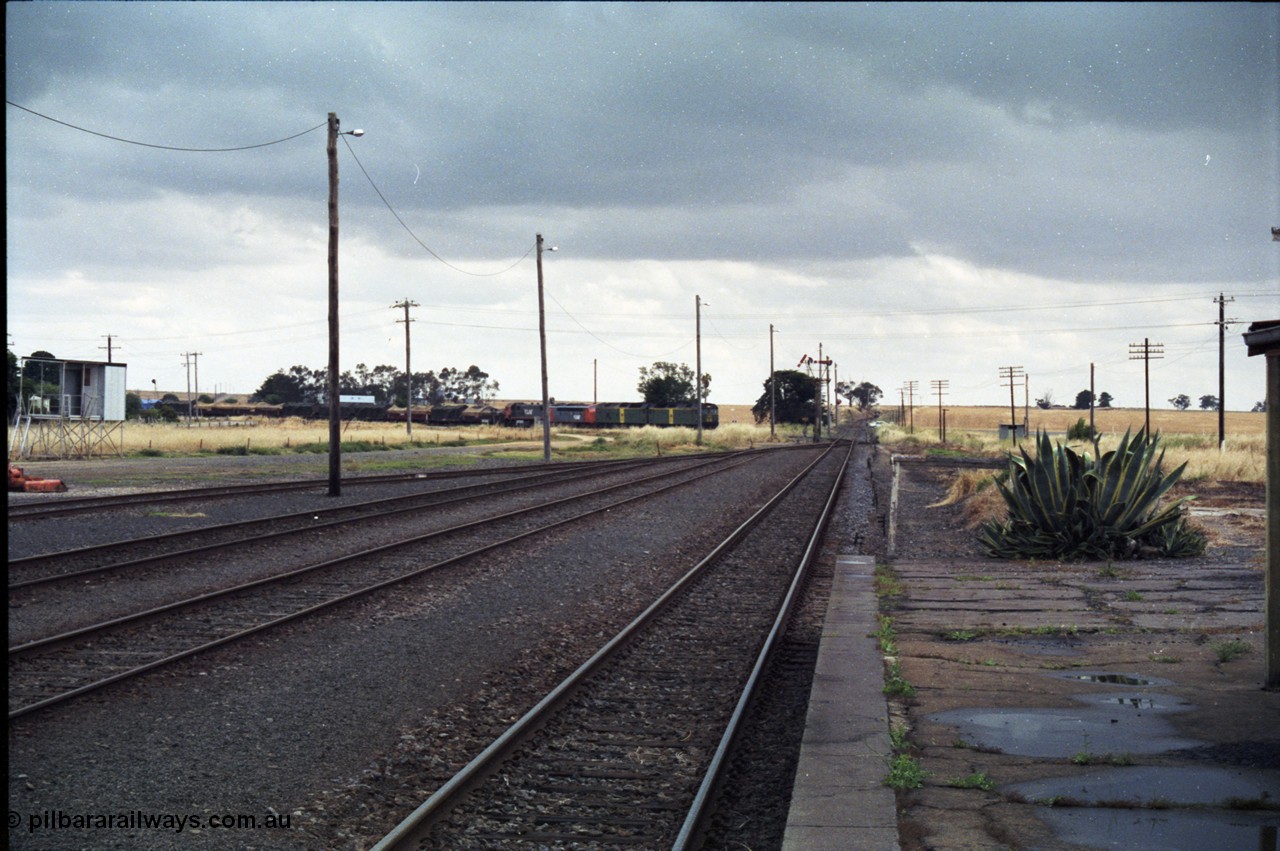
[
  {"x": 1147, "y": 784},
  {"x": 1064, "y": 733},
  {"x": 1115, "y": 679},
  {"x": 1042, "y": 647},
  {"x": 1151, "y": 702},
  {"x": 1161, "y": 830}
]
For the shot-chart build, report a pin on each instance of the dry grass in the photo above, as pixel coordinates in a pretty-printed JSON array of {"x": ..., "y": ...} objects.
[
  {"x": 975, "y": 490},
  {"x": 293, "y": 434},
  {"x": 272, "y": 436},
  {"x": 1106, "y": 420},
  {"x": 1243, "y": 458}
]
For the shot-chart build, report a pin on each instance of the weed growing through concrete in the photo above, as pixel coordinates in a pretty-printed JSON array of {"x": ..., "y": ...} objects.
[
  {"x": 905, "y": 772},
  {"x": 887, "y": 584},
  {"x": 884, "y": 635},
  {"x": 1083, "y": 756},
  {"x": 1230, "y": 649},
  {"x": 1110, "y": 571},
  {"x": 894, "y": 683},
  {"x": 898, "y": 737},
  {"x": 977, "y": 780}
]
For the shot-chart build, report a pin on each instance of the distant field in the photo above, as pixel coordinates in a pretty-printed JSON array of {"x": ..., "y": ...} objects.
[
  {"x": 733, "y": 414},
  {"x": 1107, "y": 420}
]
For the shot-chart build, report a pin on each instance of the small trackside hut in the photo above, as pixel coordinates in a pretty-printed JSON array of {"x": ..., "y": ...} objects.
[{"x": 68, "y": 409}]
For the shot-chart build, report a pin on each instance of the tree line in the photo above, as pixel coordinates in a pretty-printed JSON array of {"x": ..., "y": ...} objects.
[{"x": 386, "y": 384}]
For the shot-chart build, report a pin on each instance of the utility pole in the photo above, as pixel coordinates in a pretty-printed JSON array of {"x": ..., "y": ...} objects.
[
  {"x": 1146, "y": 351},
  {"x": 335, "y": 412},
  {"x": 1026, "y": 404},
  {"x": 697, "y": 373},
  {"x": 186, "y": 363},
  {"x": 1223, "y": 322},
  {"x": 107, "y": 347},
  {"x": 542, "y": 340},
  {"x": 1093, "y": 432},
  {"x": 196, "y": 358},
  {"x": 595, "y": 381},
  {"x": 820, "y": 397},
  {"x": 1009, "y": 373},
  {"x": 408, "y": 375},
  {"x": 835, "y": 390},
  {"x": 940, "y": 388},
  {"x": 821, "y": 407},
  {"x": 773, "y": 387},
  {"x": 910, "y": 387}
]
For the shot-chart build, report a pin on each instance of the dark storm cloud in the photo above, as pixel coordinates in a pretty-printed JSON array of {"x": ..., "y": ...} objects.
[{"x": 1050, "y": 138}]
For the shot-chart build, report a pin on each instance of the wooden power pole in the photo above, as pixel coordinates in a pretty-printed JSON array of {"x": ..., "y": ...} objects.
[{"x": 408, "y": 374}]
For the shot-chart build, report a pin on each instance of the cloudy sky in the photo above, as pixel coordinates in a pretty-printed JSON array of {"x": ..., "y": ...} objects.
[{"x": 928, "y": 192}]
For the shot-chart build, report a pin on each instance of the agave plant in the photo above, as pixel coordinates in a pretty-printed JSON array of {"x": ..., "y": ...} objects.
[{"x": 1064, "y": 505}]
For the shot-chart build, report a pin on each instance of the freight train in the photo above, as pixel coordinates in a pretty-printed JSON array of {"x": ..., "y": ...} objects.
[{"x": 515, "y": 414}]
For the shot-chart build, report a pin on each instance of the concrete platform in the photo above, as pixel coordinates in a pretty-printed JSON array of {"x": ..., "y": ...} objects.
[{"x": 839, "y": 802}]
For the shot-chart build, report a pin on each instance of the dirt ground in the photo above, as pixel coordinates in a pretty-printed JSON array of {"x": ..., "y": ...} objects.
[{"x": 1084, "y": 704}]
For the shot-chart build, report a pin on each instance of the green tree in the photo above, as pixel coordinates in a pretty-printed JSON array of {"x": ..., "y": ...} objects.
[
  {"x": 1182, "y": 401},
  {"x": 668, "y": 384},
  {"x": 1105, "y": 399},
  {"x": 476, "y": 384},
  {"x": 1083, "y": 400},
  {"x": 298, "y": 384},
  {"x": 864, "y": 394},
  {"x": 1208, "y": 403},
  {"x": 794, "y": 401},
  {"x": 132, "y": 406}
]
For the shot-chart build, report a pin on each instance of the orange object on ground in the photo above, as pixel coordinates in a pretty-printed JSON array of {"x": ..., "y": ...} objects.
[{"x": 20, "y": 481}]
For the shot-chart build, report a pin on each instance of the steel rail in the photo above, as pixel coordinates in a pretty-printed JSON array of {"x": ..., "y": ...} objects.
[
  {"x": 695, "y": 821},
  {"x": 58, "y": 506},
  {"x": 411, "y": 829},
  {"x": 177, "y": 605},
  {"x": 460, "y": 493},
  {"x": 64, "y": 696}
]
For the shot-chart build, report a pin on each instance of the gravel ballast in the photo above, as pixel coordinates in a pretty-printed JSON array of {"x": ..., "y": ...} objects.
[{"x": 301, "y": 718}]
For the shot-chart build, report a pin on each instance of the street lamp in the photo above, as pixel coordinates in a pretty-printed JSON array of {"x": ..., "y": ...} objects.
[
  {"x": 335, "y": 416},
  {"x": 542, "y": 340}
]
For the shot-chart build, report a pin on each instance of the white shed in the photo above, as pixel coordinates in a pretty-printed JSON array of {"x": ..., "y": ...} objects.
[{"x": 68, "y": 409}]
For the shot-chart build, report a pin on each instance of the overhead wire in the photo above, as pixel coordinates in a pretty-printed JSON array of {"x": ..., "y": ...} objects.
[
  {"x": 163, "y": 147},
  {"x": 414, "y": 236}
]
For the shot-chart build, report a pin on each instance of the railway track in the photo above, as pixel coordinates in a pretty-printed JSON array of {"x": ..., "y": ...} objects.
[
  {"x": 55, "y": 668},
  {"x": 61, "y": 506},
  {"x": 629, "y": 749},
  {"x": 44, "y": 569}
]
